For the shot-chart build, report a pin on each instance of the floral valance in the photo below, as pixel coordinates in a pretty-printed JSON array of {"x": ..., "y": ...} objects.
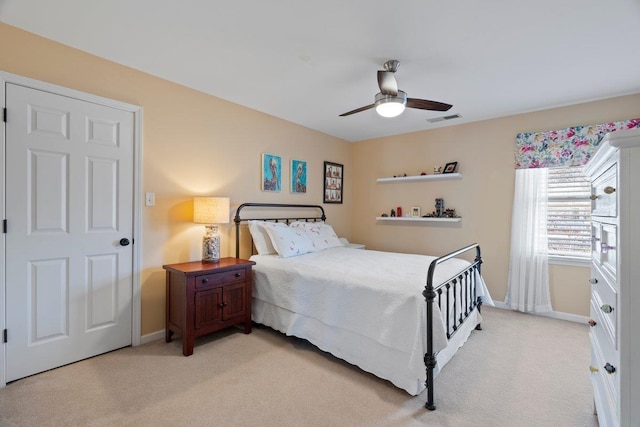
[{"x": 572, "y": 146}]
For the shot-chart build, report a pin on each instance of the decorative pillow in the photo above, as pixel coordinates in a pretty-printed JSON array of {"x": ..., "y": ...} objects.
[
  {"x": 322, "y": 235},
  {"x": 261, "y": 239},
  {"x": 288, "y": 241}
]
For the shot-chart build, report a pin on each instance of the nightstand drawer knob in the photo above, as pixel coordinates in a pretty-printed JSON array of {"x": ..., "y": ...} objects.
[
  {"x": 593, "y": 280},
  {"x": 205, "y": 280},
  {"x": 593, "y": 197},
  {"x": 606, "y": 308},
  {"x": 609, "y": 190},
  {"x": 592, "y": 323},
  {"x": 609, "y": 368},
  {"x": 238, "y": 274}
]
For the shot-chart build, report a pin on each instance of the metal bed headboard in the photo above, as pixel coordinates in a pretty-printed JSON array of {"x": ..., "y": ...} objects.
[{"x": 237, "y": 219}]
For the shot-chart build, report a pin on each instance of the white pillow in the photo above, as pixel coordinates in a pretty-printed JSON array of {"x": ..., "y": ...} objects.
[
  {"x": 322, "y": 235},
  {"x": 261, "y": 239},
  {"x": 288, "y": 241}
]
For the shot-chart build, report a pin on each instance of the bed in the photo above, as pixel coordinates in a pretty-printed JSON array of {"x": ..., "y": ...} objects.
[{"x": 369, "y": 308}]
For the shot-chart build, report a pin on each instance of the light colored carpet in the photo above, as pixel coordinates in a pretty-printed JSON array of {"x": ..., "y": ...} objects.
[{"x": 520, "y": 370}]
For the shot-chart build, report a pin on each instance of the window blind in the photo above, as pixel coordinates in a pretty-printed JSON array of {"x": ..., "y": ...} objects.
[{"x": 569, "y": 213}]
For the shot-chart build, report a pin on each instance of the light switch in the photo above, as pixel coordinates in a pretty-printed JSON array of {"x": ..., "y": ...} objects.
[{"x": 150, "y": 199}]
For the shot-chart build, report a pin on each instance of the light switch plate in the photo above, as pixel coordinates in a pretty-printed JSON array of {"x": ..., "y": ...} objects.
[{"x": 150, "y": 199}]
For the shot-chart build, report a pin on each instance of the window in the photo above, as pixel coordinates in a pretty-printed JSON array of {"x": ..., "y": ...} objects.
[{"x": 568, "y": 214}]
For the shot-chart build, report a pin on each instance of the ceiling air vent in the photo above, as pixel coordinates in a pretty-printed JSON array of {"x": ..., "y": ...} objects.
[{"x": 443, "y": 118}]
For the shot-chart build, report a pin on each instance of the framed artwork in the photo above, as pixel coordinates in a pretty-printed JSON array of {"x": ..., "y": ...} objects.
[
  {"x": 298, "y": 176},
  {"x": 271, "y": 173},
  {"x": 415, "y": 212},
  {"x": 333, "y": 178},
  {"x": 450, "y": 167}
]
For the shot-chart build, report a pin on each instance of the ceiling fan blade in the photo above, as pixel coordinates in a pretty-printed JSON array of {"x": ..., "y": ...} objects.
[
  {"x": 357, "y": 110},
  {"x": 424, "y": 104},
  {"x": 387, "y": 83}
]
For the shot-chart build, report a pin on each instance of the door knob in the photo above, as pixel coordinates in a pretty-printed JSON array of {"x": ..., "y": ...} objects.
[{"x": 124, "y": 242}]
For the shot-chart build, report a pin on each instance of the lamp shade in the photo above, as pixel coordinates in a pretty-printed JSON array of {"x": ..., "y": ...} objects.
[{"x": 211, "y": 210}]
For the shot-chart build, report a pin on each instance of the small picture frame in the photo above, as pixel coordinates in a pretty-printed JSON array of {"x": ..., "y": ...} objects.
[
  {"x": 298, "y": 176},
  {"x": 333, "y": 178},
  {"x": 415, "y": 212},
  {"x": 450, "y": 167},
  {"x": 271, "y": 173}
]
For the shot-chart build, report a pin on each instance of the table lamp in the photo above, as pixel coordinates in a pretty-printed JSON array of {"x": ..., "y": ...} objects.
[{"x": 211, "y": 211}]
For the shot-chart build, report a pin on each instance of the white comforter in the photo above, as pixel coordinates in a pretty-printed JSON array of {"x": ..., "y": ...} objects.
[{"x": 377, "y": 295}]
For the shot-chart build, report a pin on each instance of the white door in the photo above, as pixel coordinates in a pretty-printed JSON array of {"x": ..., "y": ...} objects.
[{"x": 69, "y": 198}]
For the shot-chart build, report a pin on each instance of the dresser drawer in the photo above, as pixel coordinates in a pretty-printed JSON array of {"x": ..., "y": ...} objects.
[
  {"x": 604, "y": 199},
  {"x": 603, "y": 329},
  {"x": 605, "y": 386},
  {"x": 223, "y": 278},
  {"x": 604, "y": 304},
  {"x": 609, "y": 251}
]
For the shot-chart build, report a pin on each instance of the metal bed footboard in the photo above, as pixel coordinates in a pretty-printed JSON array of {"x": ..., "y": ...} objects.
[{"x": 460, "y": 288}]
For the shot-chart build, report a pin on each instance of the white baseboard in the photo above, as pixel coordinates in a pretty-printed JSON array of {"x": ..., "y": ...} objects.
[
  {"x": 552, "y": 314},
  {"x": 158, "y": 335}
]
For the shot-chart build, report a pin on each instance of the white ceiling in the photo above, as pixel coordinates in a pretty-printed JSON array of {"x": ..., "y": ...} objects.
[{"x": 307, "y": 62}]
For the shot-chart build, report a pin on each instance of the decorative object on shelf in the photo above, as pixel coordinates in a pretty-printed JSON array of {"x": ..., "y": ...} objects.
[
  {"x": 422, "y": 173},
  {"x": 271, "y": 173},
  {"x": 333, "y": 182},
  {"x": 415, "y": 211},
  {"x": 393, "y": 213},
  {"x": 437, "y": 170},
  {"x": 450, "y": 167},
  {"x": 399, "y": 211},
  {"x": 384, "y": 215},
  {"x": 439, "y": 208},
  {"x": 298, "y": 176},
  {"x": 211, "y": 211}
]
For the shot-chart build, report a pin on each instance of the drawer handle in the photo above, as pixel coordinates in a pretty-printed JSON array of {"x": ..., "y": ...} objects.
[
  {"x": 604, "y": 248},
  {"x": 205, "y": 280},
  {"x": 609, "y": 368},
  {"x": 593, "y": 369},
  {"x": 593, "y": 197},
  {"x": 609, "y": 190},
  {"x": 592, "y": 323},
  {"x": 593, "y": 281},
  {"x": 606, "y": 308},
  {"x": 594, "y": 239},
  {"x": 238, "y": 274}
]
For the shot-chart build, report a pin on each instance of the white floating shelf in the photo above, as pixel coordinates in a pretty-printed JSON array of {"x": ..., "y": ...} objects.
[
  {"x": 417, "y": 219},
  {"x": 436, "y": 177}
]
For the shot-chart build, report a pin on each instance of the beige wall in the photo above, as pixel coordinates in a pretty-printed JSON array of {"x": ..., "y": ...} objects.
[
  {"x": 484, "y": 152},
  {"x": 193, "y": 144}
]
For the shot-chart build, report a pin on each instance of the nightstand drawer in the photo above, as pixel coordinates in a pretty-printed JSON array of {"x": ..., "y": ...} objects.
[{"x": 218, "y": 279}]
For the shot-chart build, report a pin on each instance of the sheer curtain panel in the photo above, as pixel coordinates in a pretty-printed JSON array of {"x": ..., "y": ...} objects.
[{"x": 528, "y": 284}]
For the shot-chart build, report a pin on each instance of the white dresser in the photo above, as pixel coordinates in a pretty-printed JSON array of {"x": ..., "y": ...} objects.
[{"x": 614, "y": 171}]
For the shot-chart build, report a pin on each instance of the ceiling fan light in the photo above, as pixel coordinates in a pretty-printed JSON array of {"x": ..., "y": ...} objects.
[{"x": 389, "y": 105}]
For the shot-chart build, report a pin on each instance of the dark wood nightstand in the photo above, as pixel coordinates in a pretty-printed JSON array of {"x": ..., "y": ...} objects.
[{"x": 204, "y": 297}]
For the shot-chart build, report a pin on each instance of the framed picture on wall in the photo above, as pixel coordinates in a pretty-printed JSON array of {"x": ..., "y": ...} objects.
[
  {"x": 271, "y": 173},
  {"x": 333, "y": 178},
  {"x": 450, "y": 167},
  {"x": 298, "y": 176}
]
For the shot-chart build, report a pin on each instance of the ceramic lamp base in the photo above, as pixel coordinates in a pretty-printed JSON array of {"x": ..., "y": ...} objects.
[{"x": 211, "y": 245}]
